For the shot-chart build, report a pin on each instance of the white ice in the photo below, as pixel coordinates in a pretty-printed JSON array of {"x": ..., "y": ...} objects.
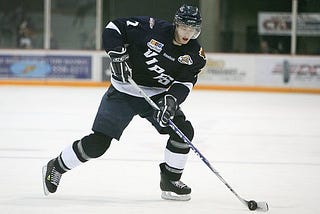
[{"x": 265, "y": 145}]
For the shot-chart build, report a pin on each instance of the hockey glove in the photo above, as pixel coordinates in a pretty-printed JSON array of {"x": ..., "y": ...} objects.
[
  {"x": 168, "y": 107},
  {"x": 119, "y": 64}
]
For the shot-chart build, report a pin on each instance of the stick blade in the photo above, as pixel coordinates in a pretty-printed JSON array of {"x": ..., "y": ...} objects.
[{"x": 262, "y": 206}]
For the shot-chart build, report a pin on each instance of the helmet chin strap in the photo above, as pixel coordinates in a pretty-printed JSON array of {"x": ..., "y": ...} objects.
[{"x": 175, "y": 42}]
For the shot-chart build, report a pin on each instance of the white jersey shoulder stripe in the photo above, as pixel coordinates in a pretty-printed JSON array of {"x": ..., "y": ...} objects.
[{"x": 111, "y": 25}]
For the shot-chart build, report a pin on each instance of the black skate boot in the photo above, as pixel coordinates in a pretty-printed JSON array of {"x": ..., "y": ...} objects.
[
  {"x": 51, "y": 178},
  {"x": 174, "y": 190}
]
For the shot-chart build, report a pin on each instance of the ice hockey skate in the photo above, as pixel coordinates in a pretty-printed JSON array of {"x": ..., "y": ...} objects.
[
  {"x": 174, "y": 190},
  {"x": 50, "y": 177}
]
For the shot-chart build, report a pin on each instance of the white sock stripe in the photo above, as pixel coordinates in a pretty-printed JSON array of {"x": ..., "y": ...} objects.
[
  {"x": 179, "y": 145},
  {"x": 61, "y": 164},
  {"x": 81, "y": 151},
  {"x": 175, "y": 160},
  {"x": 70, "y": 158},
  {"x": 170, "y": 169}
]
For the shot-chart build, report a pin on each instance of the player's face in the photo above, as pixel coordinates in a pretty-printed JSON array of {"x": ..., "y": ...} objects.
[{"x": 184, "y": 33}]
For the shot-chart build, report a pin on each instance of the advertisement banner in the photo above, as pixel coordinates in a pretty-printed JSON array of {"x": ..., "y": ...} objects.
[
  {"x": 300, "y": 72},
  {"x": 228, "y": 70},
  {"x": 272, "y": 23},
  {"x": 45, "y": 66}
]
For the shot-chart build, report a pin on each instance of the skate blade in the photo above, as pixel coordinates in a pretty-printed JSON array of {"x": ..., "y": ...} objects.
[
  {"x": 45, "y": 189},
  {"x": 262, "y": 206},
  {"x": 175, "y": 197}
]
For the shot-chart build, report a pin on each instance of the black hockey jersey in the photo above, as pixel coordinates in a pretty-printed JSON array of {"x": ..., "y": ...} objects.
[{"x": 157, "y": 64}]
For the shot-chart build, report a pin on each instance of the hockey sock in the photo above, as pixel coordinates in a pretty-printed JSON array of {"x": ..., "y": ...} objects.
[
  {"x": 91, "y": 146},
  {"x": 175, "y": 156},
  {"x": 176, "y": 152},
  {"x": 71, "y": 157}
]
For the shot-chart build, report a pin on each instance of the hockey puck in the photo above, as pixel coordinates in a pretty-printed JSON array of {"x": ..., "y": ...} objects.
[{"x": 252, "y": 205}]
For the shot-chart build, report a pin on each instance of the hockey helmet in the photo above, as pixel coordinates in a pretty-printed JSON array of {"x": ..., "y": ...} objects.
[{"x": 189, "y": 16}]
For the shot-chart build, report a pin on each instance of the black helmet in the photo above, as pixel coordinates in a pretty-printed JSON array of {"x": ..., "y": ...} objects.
[{"x": 189, "y": 15}]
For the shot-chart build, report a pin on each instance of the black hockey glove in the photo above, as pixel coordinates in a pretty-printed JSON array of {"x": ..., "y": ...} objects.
[
  {"x": 119, "y": 64},
  {"x": 168, "y": 106}
]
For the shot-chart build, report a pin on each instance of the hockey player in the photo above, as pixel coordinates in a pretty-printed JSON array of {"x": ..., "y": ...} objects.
[{"x": 164, "y": 59}]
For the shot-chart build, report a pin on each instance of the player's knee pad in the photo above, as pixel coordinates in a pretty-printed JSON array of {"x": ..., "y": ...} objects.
[
  {"x": 95, "y": 145},
  {"x": 175, "y": 143},
  {"x": 187, "y": 129}
]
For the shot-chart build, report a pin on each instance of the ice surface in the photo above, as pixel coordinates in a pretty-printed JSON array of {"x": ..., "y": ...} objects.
[{"x": 266, "y": 145}]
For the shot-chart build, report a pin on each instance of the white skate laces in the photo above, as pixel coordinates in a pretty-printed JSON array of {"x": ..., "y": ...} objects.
[{"x": 54, "y": 177}]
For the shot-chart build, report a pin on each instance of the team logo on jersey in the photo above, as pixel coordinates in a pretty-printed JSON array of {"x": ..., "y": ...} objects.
[
  {"x": 155, "y": 45},
  {"x": 185, "y": 59}
]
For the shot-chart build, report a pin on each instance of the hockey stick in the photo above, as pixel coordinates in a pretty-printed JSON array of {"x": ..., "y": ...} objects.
[{"x": 251, "y": 205}]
